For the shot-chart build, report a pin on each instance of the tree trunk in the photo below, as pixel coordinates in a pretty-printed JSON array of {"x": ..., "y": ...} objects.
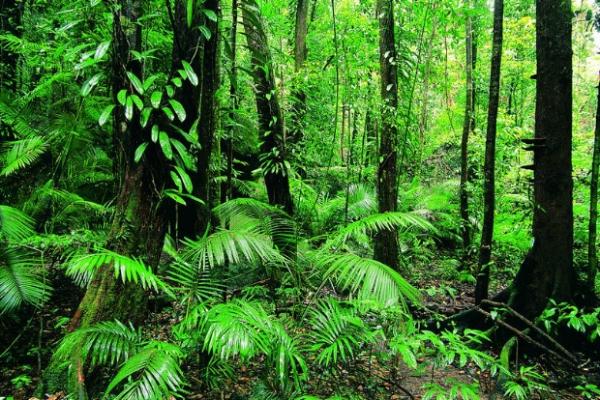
[
  {"x": 270, "y": 119},
  {"x": 227, "y": 142},
  {"x": 386, "y": 241},
  {"x": 487, "y": 233},
  {"x": 592, "y": 228},
  {"x": 464, "y": 144},
  {"x": 548, "y": 270},
  {"x": 138, "y": 226},
  {"x": 300, "y": 51},
  {"x": 199, "y": 102}
]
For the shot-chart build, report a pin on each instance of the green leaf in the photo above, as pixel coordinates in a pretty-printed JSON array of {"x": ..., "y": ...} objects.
[
  {"x": 156, "y": 98},
  {"x": 122, "y": 97},
  {"x": 176, "y": 180},
  {"x": 165, "y": 145},
  {"x": 105, "y": 114},
  {"x": 101, "y": 49},
  {"x": 177, "y": 82},
  {"x": 205, "y": 31},
  {"x": 145, "y": 117},
  {"x": 178, "y": 108},
  {"x": 137, "y": 101},
  {"x": 170, "y": 90},
  {"x": 135, "y": 81},
  {"x": 173, "y": 195},
  {"x": 89, "y": 84},
  {"x": 186, "y": 158},
  {"x": 148, "y": 82},
  {"x": 185, "y": 178},
  {"x": 210, "y": 14},
  {"x": 129, "y": 109},
  {"x": 154, "y": 133},
  {"x": 191, "y": 74},
  {"x": 139, "y": 152},
  {"x": 168, "y": 113}
]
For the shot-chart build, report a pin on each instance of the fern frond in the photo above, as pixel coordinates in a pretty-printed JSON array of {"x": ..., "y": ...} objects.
[
  {"x": 155, "y": 374},
  {"x": 368, "y": 279},
  {"x": 15, "y": 117},
  {"x": 83, "y": 267},
  {"x": 19, "y": 281},
  {"x": 22, "y": 153},
  {"x": 107, "y": 343}
]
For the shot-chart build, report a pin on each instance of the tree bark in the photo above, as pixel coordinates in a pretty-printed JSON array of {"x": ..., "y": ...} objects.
[
  {"x": 300, "y": 52},
  {"x": 548, "y": 270},
  {"x": 464, "y": 144},
  {"x": 489, "y": 186},
  {"x": 270, "y": 118},
  {"x": 386, "y": 241},
  {"x": 592, "y": 227},
  {"x": 139, "y": 222},
  {"x": 200, "y": 104}
]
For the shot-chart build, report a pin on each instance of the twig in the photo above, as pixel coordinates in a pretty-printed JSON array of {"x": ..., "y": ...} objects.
[
  {"x": 529, "y": 323},
  {"x": 525, "y": 337}
]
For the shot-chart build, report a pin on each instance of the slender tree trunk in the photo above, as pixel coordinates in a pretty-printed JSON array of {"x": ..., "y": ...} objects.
[
  {"x": 300, "y": 51},
  {"x": 227, "y": 143},
  {"x": 386, "y": 241},
  {"x": 592, "y": 228},
  {"x": 269, "y": 112},
  {"x": 138, "y": 226},
  {"x": 487, "y": 233},
  {"x": 464, "y": 145},
  {"x": 199, "y": 102},
  {"x": 548, "y": 270}
]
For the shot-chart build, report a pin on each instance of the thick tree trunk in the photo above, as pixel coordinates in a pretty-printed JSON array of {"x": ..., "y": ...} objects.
[
  {"x": 300, "y": 51},
  {"x": 200, "y": 104},
  {"x": 592, "y": 228},
  {"x": 138, "y": 226},
  {"x": 489, "y": 185},
  {"x": 270, "y": 118},
  {"x": 464, "y": 144},
  {"x": 386, "y": 241},
  {"x": 548, "y": 270}
]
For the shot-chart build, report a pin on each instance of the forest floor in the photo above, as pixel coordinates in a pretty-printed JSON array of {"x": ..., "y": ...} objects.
[{"x": 28, "y": 353}]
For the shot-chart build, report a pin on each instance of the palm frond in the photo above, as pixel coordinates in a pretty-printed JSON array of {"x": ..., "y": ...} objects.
[
  {"x": 231, "y": 246},
  {"x": 14, "y": 224},
  {"x": 83, "y": 267},
  {"x": 379, "y": 222},
  {"x": 368, "y": 279},
  {"x": 20, "y": 283},
  {"x": 22, "y": 153},
  {"x": 13, "y": 115},
  {"x": 248, "y": 207},
  {"x": 107, "y": 343},
  {"x": 154, "y": 374},
  {"x": 336, "y": 333},
  {"x": 193, "y": 282}
]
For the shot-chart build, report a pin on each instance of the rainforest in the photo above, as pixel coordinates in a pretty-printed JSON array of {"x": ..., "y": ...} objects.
[{"x": 299, "y": 199}]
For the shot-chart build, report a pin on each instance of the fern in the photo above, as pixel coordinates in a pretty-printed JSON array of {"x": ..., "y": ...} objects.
[
  {"x": 14, "y": 224},
  {"x": 83, "y": 267},
  {"x": 154, "y": 374}
]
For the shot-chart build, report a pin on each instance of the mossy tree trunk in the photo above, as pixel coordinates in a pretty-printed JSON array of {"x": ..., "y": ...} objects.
[
  {"x": 592, "y": 227},
  {"x": 386, "y": 241},
  {"x": 489, "y": 185},
  {"x": 300, "y": 52},
  {"x": 139, "y": 222}
]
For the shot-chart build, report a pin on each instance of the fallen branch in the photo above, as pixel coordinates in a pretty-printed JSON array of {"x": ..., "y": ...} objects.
[
  {"x": 533, "y": 326},
  {"x": 525, "y": 337}
]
